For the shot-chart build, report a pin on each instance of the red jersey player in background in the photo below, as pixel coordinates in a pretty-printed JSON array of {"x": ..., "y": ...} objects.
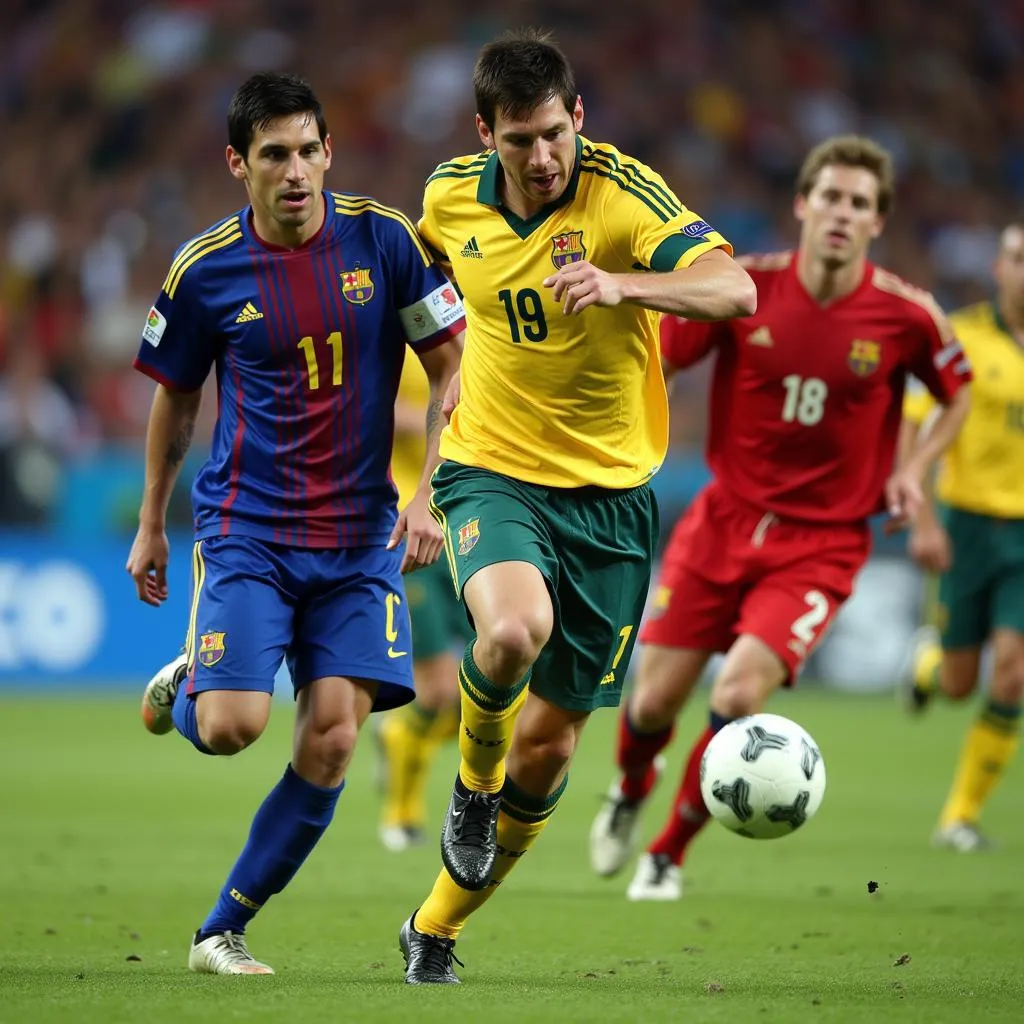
[{"x": 804, "y": 415}]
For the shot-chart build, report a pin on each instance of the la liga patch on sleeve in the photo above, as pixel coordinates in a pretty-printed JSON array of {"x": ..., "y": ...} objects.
[{"x": 156, "y": 324}]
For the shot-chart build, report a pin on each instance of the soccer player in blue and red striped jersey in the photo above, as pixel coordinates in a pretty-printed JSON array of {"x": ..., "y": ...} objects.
[{"x": 305, "y": 302}]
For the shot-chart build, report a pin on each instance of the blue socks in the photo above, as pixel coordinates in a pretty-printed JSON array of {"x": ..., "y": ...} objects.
[
  {"x": 287, "y": 826},
  {"x": 184, "y": 715}
]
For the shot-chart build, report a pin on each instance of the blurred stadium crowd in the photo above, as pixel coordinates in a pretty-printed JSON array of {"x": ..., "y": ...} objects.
[{"x": 113, "y": 119}]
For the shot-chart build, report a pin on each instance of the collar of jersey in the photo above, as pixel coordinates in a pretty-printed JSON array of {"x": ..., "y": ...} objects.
[
  {"x": 487, "y": 193},
  {"x": 249, "y": 230}
]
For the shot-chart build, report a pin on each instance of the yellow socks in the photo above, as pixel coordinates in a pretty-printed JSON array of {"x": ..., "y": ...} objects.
[
  {"x": 926, "y": 668},
  {"x": 522, "y": 818},
  {"x": 488, "y": 717},
  {"x": 446, "y": 724},
  {"x": 408, "y": 736},
  {"x": 990, "y": 745}
]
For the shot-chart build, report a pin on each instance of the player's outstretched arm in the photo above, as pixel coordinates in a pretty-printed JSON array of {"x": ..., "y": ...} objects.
[
  {"x": 713, "y": 287},
  {"x": 172, "y": 421}
]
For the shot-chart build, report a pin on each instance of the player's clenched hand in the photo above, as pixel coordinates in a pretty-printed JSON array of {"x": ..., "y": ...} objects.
[
  {"x": 904, "y": 499},
  {"x": 578, "y": 285},
  {"x": 423, "y": 537},
  {"x": 452, "y": 395},
  {"x": 929, "y": 545},
  {"x": 147, "y": 565}
]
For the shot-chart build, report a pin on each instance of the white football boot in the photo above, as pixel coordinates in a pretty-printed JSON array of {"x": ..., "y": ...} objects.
[
  {"x": 158, "y": 697},
  {"x": 961, "y": 836},
  {"x": 656, "y": 879},
  {"x": 224, "y": 953},
  {"x": 614, "y": 834}
]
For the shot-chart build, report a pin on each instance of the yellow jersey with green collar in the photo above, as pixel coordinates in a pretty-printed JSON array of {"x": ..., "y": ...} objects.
[
  {"x": 983, "y": 470},
  {"x": 561, "y": 401}
]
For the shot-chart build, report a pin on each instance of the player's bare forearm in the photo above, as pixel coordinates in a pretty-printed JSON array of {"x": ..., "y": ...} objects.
[
  {"x": 910, "y": 433},
  {"x": 713, "y": 287},
  {"x": 172, "y": 422},
  {"x": 441, "y": 365},
  {"x": 906, "y": 440},
  {"x": 931, "y": 443}
]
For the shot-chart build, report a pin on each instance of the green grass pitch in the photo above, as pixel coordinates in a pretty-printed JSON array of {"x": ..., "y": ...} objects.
[{"x": 113, "y": 844}]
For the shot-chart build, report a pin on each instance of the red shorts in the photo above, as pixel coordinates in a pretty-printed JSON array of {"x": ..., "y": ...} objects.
[{"x": 731, "y": 568}]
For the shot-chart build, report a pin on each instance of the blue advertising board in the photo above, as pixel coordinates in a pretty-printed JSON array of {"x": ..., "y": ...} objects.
[{"x": 69, "y": 613}]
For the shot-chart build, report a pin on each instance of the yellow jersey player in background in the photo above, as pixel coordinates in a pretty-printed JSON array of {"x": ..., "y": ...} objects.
[
  {"x": 410, "y": 736},
  {"x": 566, "y": 251},
  {"x": 975, "y": 540}
]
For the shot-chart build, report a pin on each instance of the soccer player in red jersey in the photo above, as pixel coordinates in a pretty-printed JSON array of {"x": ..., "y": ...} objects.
[{"x": 805, "y": 410}]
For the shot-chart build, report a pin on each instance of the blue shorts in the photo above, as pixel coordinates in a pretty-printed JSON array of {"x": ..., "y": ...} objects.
[{"x": 329, "y": 612}]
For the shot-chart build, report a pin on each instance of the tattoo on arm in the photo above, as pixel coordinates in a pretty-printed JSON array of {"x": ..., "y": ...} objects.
[
  {"x": 434, "y": 419},
  {"x": 179, "y": 446}
]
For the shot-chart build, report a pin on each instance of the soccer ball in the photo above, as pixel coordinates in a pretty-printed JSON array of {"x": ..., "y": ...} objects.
[{"x": 762, "y": 776}]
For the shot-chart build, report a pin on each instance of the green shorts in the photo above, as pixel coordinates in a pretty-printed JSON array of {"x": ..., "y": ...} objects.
[
  {"x": 984, "y": 590},
  {"x": 595, "y": 548},
  {"x": 439, "y": 622}
]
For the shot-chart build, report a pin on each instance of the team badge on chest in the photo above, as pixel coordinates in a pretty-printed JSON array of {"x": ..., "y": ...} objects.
[
  {"x": 357, "y": 286},
  {"x": 567, "y": 248},
  {"x": 468, "y": 536},
  {"x": 864, "y": 357}
]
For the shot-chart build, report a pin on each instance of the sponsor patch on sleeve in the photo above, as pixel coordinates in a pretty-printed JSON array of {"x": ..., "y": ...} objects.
[
  {"x": 698, "y": 229},
  {"x": 156, "y": 324},
  {"x": 440, "y": 309}
]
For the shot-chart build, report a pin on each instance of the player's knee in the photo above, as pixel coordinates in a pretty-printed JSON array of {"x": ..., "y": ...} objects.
[
  {"x": 957, "y": 686},
  {"x": 229, "y": 734},
  {"x": 331, "y": 748},
  {"x": 734, "y": 696},
  {"x": 654, "y": 707},
  {"x": 1007, "y": 685},
  {"x": 512, "y": 643},
  {"x": 663, "y": 683}
]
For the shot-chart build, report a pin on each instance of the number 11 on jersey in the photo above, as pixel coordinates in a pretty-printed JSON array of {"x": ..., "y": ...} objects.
[{"x": 308, "y": 348}]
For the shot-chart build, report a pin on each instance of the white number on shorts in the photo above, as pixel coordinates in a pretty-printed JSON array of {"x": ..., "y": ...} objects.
[
  {"x": 804, "y": 627},
  {"x": 805, "y": 399}
]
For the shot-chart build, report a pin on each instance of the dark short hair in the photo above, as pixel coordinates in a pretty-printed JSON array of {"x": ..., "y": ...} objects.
[
  {"x": 518, "y": 72},
  {"x": 850, "y": 151},
  {"x": 263, "y": 98}
]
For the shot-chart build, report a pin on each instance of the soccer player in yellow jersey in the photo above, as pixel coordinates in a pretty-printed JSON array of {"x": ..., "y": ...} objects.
[
  {"x": 410, "y": 736},
  {"x": 566, "y": 251},
  {"x": 975, "y": 539}
]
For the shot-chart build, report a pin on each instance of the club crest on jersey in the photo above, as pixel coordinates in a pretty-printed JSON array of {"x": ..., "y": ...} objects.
[
  {"x": 468, "y": 536},
  {"x": 567, "y": 248},
  {"x": 211, "y": 648},
  {"x": 357, "y": 286},
  {"x": 864, "y": 357}
]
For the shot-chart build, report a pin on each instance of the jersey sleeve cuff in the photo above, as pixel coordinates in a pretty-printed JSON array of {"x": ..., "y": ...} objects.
[
  {"x": 159, "y": 377},
  {"x": 440, "y": 337}
]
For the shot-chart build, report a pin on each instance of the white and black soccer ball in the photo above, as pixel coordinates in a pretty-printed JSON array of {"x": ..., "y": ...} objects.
[{"x": 762, "y": 776}]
